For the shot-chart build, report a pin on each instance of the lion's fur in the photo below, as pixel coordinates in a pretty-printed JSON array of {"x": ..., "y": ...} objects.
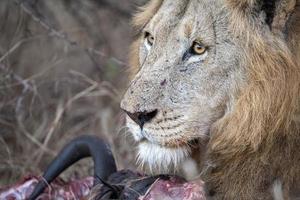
[
  {"x": 273, "y": 72},
  {"x": 265, "y": 123},
  {"x": 260, "y": 138}
]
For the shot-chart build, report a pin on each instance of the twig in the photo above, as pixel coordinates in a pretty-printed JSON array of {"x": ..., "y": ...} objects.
[
  {"x": 107, "y": 88},
  {"x": 33, "y": 139},
  {"x": 17, "y": 45},
  {"x": 62, "y": 35},
  {"x": 59, "y": 113}
]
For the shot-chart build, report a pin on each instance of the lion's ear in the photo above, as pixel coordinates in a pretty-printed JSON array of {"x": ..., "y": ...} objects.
[{"x": 273, "y": 13}]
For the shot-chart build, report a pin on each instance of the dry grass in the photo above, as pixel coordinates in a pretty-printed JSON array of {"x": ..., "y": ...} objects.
[{"x": 62, "y": 74}]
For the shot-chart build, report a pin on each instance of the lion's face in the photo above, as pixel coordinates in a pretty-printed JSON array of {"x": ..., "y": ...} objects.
[{"x": 188, "y": 75}]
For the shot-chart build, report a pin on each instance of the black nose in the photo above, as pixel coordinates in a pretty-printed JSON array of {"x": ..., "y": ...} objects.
[{"x": 142, "y": 117}]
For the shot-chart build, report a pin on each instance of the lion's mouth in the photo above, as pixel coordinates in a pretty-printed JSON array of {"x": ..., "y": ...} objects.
[
  {"x": 173, "y": 144},
  {"x": 166, "y": 139}
]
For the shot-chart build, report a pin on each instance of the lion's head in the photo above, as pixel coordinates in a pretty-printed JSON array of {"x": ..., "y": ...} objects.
[{"x": 195, "y": 72}]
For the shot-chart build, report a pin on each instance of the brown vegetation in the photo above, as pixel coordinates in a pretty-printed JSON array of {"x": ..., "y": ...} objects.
[{"x": 62, "y": 72}]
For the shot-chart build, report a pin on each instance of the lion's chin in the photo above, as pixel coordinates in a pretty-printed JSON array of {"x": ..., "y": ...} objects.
[{"x": 157, "y": 159}]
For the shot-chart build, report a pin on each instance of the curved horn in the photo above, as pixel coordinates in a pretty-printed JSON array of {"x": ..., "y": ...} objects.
[{"x": 77, "y": 149}]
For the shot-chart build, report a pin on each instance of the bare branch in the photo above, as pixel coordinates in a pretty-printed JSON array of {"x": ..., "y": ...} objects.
[{"x": 62, "y": 35}]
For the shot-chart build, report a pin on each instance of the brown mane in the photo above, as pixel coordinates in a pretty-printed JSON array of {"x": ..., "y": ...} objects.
[
  {"x": 266, "y": 115},
  {"x": 268, "y": 105}
]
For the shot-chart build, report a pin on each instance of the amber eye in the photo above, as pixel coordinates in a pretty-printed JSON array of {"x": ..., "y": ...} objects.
[
  {"x": 198, "y": 48},
  {"x": 149, "y": 38}
]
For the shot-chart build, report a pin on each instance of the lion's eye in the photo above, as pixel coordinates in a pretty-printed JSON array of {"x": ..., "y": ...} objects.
[
  {"x": 198, "y": 48},
  {"x": 149, "y": 40}
]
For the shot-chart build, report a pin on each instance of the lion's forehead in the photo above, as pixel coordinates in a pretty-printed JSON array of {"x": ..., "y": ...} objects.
[{"x": 186, "y": 18}]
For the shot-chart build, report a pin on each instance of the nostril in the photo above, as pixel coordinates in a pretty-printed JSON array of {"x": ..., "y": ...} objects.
[
  {"x": 142, "y": 117},
  {"x": 146, "y": 117}
]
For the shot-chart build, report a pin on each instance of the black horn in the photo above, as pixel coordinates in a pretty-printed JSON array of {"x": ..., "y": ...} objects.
[{"x": 77, "y": 149}]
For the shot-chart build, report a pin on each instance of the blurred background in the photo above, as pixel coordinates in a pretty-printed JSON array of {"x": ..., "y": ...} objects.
[{"x": 63, "y": 71}]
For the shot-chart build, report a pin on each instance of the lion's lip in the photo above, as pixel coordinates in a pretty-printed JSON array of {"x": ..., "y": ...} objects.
[
  {"x": 145, "y": 140},
  {"x": 172, "y": 144},
  {"x": 144, "y": 137}
]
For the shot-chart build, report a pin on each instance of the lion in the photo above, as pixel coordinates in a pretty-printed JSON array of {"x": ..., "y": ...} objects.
[{"x": 216, "y": 83}]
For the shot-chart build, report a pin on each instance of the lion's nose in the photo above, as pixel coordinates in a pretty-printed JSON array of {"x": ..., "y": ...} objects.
[{"x": 142, "y": 117}]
